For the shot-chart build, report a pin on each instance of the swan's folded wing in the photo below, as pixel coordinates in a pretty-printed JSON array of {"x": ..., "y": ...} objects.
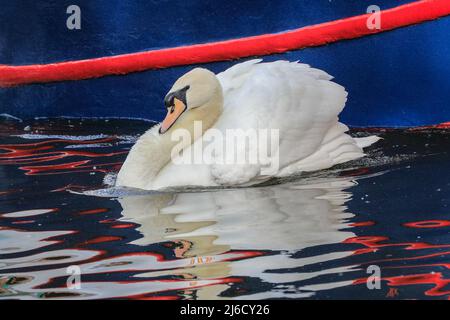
[{"x": 296, "y": 101}]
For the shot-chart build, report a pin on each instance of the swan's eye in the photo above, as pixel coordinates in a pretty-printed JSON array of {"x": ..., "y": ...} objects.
[{"x": 172, "y": 109}]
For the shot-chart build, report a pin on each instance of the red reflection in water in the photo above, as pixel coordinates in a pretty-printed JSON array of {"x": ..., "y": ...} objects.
[
  {"x": 45, "y": 151},
  {"x": 373, "y": 242},
  {"x": 123, "y": 226},
  {"x": 444, "y": 125},
  {"x": 110, "y": 220},
  {"x": 93, "y": 211},
  {"x": 428, "y": 224},
  {"x": 247, "y": 253},
  {"x": 373, "y": 245},
  {"x": 102, "y": 239},
  {"x": 436, "y": 279},
  {"x": 362, "y": 224},
  {"x": 69, "y": 167}
]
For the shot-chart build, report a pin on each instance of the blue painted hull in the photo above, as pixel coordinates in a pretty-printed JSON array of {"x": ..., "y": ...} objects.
[{"x": 396, "y": 78}]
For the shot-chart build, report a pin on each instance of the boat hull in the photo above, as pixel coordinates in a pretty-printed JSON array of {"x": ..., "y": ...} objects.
[{"x": 398, "y": 78}]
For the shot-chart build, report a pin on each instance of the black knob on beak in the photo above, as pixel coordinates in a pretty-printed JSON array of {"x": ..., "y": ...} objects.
[
  {"x": 168, "y": 100},
  {"x": 179, "y": 94}
]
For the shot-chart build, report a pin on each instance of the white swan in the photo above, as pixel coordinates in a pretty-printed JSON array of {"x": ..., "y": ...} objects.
[{"x": 299, "y": 101}]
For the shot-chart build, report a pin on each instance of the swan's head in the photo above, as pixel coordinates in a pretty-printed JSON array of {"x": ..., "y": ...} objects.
[{"x": 199, "y": 89}]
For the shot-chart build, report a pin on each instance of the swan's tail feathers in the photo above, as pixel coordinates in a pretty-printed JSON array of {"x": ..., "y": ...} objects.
[
  {"x": 337, "y": 147},
  {"x": 366, "y": 141}
]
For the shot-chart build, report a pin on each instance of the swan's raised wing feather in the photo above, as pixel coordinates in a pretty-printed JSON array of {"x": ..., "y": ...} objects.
[{"x": 299, "y": 101}]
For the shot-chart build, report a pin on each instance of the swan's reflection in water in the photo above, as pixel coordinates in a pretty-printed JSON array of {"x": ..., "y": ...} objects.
[
  {"x": 218, "y": 242},
  {"x": 269, "y": 224}
]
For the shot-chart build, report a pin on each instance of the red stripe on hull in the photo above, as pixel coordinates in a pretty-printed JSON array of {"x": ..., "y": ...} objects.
[{"x": 349, "y": 28}]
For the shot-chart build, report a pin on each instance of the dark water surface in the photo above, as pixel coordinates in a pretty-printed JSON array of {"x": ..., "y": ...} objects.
[{"x": 311, "y": 237}]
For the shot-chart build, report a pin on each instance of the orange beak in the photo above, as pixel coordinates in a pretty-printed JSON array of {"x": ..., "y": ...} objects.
[{"x": 173, "y": 113}]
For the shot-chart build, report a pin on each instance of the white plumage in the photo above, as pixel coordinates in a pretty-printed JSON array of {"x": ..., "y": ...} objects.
[{"x": 301, "y": 102}]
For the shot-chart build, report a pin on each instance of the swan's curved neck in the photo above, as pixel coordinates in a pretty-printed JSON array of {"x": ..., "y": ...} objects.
[{"x": 152, "y": 152}]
